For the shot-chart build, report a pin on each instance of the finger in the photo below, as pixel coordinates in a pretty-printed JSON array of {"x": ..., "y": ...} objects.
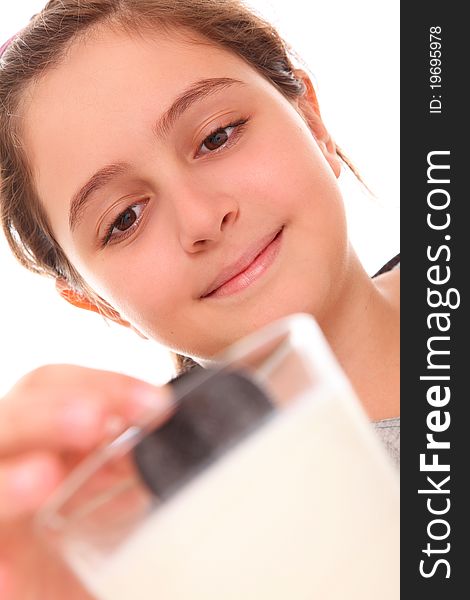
[
  {"x": 65, "y": 424},
  {"x": 26, "y": 482},
  {"x": 71, "y": 407},
  {"x": 6, "y": 581}
]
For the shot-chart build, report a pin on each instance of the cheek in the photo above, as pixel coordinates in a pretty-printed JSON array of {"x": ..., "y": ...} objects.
[
  {"x": 285, "y": 170},
  {"x": 143, "y": 281}
]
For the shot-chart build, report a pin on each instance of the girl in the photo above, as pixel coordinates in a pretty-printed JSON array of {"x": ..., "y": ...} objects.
[{"x": 165, "y": 162}]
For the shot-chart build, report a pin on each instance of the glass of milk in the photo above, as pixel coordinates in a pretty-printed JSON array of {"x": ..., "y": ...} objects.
[{"x": 266, "y": 482}]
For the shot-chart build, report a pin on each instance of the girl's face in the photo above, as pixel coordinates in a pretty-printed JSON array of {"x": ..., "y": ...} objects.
[{"x": 166, "y": 167}]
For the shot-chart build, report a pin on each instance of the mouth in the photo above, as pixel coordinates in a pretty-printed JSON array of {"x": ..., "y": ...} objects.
[{"x": 246, "y": 270}]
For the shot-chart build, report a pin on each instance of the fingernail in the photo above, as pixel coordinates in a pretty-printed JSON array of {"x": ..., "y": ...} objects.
[
  {"x": 147, "y": 400},
  {"x": 80, "y": 421},
  {"x": 23, "y": 481},
  {"x": 26, "y": 481}
]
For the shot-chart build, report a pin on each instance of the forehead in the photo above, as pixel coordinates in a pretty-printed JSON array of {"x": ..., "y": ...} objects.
[
  {"x": 113, "y": 71},
  {"x": 108, "y": 86}
]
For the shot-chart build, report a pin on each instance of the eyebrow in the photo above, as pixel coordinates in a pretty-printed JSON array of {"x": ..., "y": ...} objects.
[{"x": 194, "y": 93}]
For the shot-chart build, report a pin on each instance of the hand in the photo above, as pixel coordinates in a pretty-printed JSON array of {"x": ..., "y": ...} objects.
[{"x": 49, "y": 421}]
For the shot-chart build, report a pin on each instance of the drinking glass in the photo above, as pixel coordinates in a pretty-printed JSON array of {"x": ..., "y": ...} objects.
[{"x": 266, "y": 482}]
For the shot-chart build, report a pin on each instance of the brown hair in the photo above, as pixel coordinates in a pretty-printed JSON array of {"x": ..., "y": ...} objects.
[{"x": 43, "y": 44}]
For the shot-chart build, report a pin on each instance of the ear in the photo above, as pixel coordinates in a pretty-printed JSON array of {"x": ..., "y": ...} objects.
[
  {"x": 81, "y": 301},
  {"x": 309, "y": 109}
]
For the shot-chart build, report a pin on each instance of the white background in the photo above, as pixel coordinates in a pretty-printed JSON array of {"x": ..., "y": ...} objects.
[{"x": 352, "y": 49}]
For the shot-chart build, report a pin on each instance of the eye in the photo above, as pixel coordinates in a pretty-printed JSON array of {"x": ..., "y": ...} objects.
[
  {"x": 124, "y": 224},
  {"x": 222, "y": 137},
  {"x": 126, "y": 219}
]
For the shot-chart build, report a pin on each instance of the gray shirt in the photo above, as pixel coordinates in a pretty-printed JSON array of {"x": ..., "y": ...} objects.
[{"x": 389, "y": 432}]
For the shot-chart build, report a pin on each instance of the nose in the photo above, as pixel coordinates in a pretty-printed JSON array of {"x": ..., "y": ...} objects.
[{"x": 203, "y": 218}]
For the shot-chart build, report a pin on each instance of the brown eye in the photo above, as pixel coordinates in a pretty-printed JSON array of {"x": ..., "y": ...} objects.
[
  {"x": 217, "y": 139},
  {"x": 223, "y": 137},
  {"x": 125, "y": 224},
  {"x": 126, "y": 219}
]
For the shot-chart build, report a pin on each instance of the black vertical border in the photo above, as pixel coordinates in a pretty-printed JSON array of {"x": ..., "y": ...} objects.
[{"x": 421, "y": 133}]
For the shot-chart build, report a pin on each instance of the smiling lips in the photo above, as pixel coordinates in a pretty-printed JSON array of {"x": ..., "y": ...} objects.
[{"x": 247, "y": 269}]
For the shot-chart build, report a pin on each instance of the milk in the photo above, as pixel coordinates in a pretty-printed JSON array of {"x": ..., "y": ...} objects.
[{"x": 307, "y": 507}]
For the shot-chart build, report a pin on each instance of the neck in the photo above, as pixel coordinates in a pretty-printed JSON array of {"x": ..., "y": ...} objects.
[{"x": 362, "y": 328}]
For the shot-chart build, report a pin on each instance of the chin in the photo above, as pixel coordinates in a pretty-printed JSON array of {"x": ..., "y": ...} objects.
[{"x": 245, "y": 322}]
